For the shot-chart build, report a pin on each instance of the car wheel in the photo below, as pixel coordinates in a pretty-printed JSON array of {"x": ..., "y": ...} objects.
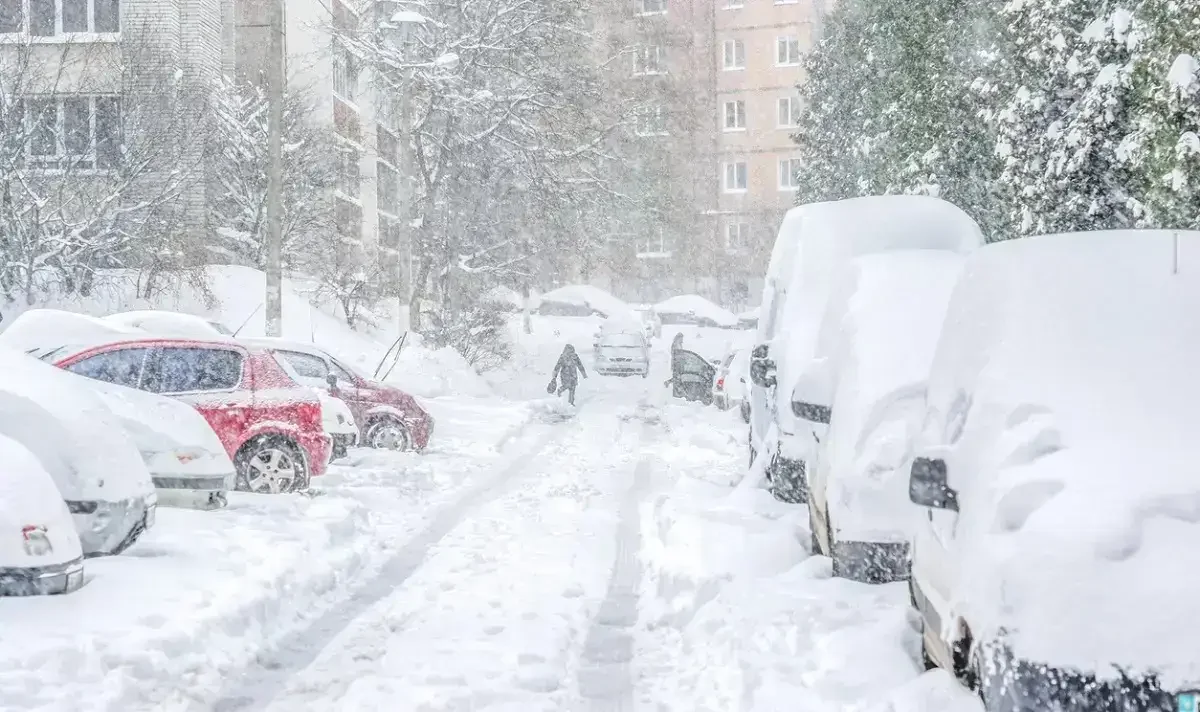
[
  {"x": 271, "y": 465},
  {"x": 388, "y": 434}
]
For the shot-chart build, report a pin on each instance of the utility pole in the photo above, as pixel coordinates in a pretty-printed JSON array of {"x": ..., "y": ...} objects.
[{"x": 275, "y": 87}]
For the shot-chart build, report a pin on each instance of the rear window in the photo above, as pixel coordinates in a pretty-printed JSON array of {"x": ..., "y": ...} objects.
[
  {"x": 185, "y": 370},
  {"x": 621, "y": 341},
  {"x": 123, "y": 367}
]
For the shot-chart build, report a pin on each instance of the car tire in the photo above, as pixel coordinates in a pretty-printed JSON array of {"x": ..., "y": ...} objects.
[
  {"x": 262, "y": 466},
  {"x": 388, "y": 434}
]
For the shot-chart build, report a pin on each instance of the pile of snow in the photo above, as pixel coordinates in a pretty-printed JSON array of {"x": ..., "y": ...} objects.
[
  {"x": 42, "y": 332},
  {"x": 508, "y": 298},
  {"x": 431, "y": 373},
  {"x": 1080, "y": 355},
  {"x": 172, "y": 324},
  {"x": 694, "y": 309},
  {"x": 584, "y": 300}
]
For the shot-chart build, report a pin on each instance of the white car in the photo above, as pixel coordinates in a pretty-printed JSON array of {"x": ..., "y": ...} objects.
[
  {"x": 814, "y": 242},
  {"x": 730, "y": 386},
  {"x": 623, "y": 353},
  {"x": 863, "y": 401},
  {"x": 168, "y": 323},
  {"x": 188, "y": 464},
  {"x": 39, "y": 547},
  {"x": 94, "y": 462},
  {"x": 1054, "y": 563},
  {"x": 338, "y": 421}
]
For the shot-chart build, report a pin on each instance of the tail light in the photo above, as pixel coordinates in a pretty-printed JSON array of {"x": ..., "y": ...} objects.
[{"x": 721, "y": 383}]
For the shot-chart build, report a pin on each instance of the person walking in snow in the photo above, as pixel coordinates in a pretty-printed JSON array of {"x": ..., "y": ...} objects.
[{"x": 565, "y": 373}]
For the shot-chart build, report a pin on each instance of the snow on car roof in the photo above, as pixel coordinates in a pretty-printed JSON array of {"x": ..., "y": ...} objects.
[
  {"x": 880, "y": 301},
  {"x": 698, "y": 306},
  {"x": 42, "y": 331},
  {"x": 77, "y": 438},
  {"x": 594, "y": 298},
  {"x": 1078, "y": 353},
  {"x": 169, "y": 323}
]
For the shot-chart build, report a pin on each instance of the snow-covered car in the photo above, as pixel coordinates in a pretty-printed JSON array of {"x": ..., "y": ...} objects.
[
  {"x": 814, "y": 241},
  {"x": 863, "y": 401},
  {"x": 729, "y": 388},
  {"x": 623, "y": 353},
  {"x": 1054, "y": 564},
  {"x": 169, "y": 323},
  {"x": 386, "y": 416},
  {"x": 269, "y": 424},
  {"x": 695, "y": 310},
  {"x": 582, "y": 300},
  {"x": 40, "y": 552},
  {"x": 187, "y": 462},
  {"x": 82, "y": 444}
]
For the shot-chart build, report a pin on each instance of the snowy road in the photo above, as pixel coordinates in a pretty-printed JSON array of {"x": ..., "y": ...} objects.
[{"x": 610, "y": 558}]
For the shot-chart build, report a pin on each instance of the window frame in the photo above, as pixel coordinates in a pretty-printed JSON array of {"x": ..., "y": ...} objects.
[
  {"x": 794, "y": 167},
  {"x": 641, "y": 61},
  {"x": 793, "y": 112},
  {"x": 783, "y": 46},
  {"x": 159, "y": 353},
  {"x": 93, "y": 13},
  {"x": 141, "y": 371},
  {"x": 738, "y": 47},
  {"x": 643, "y": 12},
  {"x": 735, "y": 170},
  {"x": 738, "y": 116},
  {"x": 101, "y": 154},
  {"x": 742, "y": 230}
]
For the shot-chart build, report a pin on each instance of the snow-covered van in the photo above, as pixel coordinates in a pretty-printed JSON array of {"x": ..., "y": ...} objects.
[
  {"x": 814, "y": 241},
  {"x": 39, "y": 547},
  {"x": 873, "y": 355},
  {"x": 81, "y": 443},
  {"x": 1055, "y": 562}
]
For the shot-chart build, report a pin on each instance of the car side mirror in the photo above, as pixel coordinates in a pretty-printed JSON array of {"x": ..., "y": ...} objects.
[
  {"x": 928, "y": 486},
  {"x": 762, "y": 368},
  {"x": 813, "y": 394},
  {"x": 332, "y": 380}
]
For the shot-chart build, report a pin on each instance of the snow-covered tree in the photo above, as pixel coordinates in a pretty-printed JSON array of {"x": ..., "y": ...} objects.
[{"x": 237, "y": 170}]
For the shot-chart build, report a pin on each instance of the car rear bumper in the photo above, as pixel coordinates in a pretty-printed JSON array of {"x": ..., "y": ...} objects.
[
  {"x": 623, "y": 369},
  {"x": 42, "y": 580},
  {"x": 194, "y": 483}
]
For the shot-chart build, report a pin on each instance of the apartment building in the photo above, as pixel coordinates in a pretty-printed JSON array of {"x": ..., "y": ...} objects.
[
  {"x": 341, "y": 96},
  {"x": 90, "y": 87},
  {"x": 760, "y": 48}
]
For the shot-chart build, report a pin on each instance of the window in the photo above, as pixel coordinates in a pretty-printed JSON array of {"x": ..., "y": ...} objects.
[
  {"x": 348, "y": 218},
  {"x": 341, "y": 372},
  {"x": 73, "y": 131},
  {"x": 345, "y": 121},
  {"x": 735, "y": 115},
  {"x": 387, "y": 146},
  {"x": 736, "y": 179},
  {"x": 737, "y": 235},
  {"x": 649, "y": 60},
  {"x": 349, "y": 173},
  {"x": 786, "y": 2},
  {"x": 187, "y": 370},
  {"x": 389, "y": 232},
  {"x": 734, "y": 4},
  {"x": 123, "y": 367},
  {"x": 387, "y": 188},
  {"x": 305, "y": 365},
  {"x": 651, "y": 121},
  {"x": 654, "y": 7},
  {"x": 787, "y": 51},
  {"x": 789, "y": 174},
  {"x": 48, "y": 18},
  {"x": 789, "y": 112},
  {"x": 734, "y": 55},
  {"x": 345, "y": 75}
]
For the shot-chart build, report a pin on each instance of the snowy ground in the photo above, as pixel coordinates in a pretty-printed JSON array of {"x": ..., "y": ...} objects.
[{"x": 536, "y": 557}]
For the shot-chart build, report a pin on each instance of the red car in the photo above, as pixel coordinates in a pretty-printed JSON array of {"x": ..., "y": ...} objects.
[
  {"x": 387, "y": 417},
  {"x": 269, "y": 424}
]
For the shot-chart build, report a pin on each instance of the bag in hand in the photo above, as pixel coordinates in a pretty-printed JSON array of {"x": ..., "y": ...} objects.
[{"x": 552, "y": 386}]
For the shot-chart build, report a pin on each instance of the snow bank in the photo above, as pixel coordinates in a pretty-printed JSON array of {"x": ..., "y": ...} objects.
[
  {"x": 433, "y": 373},
  {"x": 698, "y": 309}
]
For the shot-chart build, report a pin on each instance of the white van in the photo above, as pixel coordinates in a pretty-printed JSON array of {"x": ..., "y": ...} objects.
[
  {"x": 876, "y": 345},
  {"x": 814, "y": 242},
  {"x": 1054, "y": 559},
  {"x": 622, "y": 353}
]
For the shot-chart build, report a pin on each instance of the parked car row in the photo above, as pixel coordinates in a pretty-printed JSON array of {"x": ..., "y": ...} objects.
[
  {"x": 1006, "y": 426},
  {"x": 117, "y": 415}
]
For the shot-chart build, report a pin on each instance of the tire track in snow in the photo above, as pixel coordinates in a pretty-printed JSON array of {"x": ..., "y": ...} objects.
[
  {"x": 606, "y": 673},
  {"x": 259, "y": 686}
]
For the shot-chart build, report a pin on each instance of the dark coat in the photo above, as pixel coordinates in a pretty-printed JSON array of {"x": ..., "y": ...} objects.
[{"x": 565, "y": 369}]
